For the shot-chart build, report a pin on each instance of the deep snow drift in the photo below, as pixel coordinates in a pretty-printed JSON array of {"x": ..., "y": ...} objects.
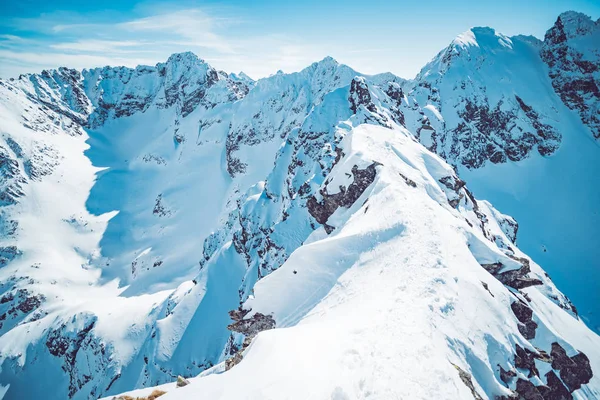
[{"x": 155, "y": 220}]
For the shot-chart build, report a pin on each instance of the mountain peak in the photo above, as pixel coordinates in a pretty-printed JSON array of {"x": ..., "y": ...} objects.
[
  {"x": 328, "y": 60},
  {"x": 326, "y": 63},
  {"x": 186, "y": 57},
  {"x": 482, "y": 37},
  {"x": 241, "y": 76},
  {"x": 575, "y": 24},
  {"x": 327, "y": 67}
]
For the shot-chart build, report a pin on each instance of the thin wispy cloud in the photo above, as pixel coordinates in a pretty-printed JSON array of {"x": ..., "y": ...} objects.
[
  {"x": 149, "y": 39},
  {"x": 94, "y": 45}
]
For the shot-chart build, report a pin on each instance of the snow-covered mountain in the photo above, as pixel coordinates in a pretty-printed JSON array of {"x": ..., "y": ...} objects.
[
  {"x": 519, "y": 127},
  {"x": 161, "y": 221}
]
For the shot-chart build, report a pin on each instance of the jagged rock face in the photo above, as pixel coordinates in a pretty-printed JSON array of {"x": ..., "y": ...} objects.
[
  {"x": 184, "y": 81},
  {"x": 523, "y": 313},
  {"x": 574, "y": 371},
  {"x": 574, "y": 69},
  {"x": 278, "y": 105},
  {"x": 345, "y": 197},
  {"x": 250, "y": 327},
  {"x": 360, "y": 95},
  {"x": 11, "y": 181},
  {"x": 333, "y": 276},
  {"x": 73, "y": 345},
  {"x": 298, "y": 135},
  {"x": 460, "y": 112}
]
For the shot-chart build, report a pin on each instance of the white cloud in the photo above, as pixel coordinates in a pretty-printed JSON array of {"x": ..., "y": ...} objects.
[
  {"x": 100, "y": 46},
  {"x": 194, "y": 27},
  {"x": 152, "y": 38}
]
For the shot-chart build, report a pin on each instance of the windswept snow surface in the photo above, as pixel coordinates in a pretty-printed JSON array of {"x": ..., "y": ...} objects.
[{"x": 385, "y": 305}]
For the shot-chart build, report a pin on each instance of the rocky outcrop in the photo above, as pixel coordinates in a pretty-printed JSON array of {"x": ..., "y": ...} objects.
[
  {"x": 72, "y": 342},
  {"x": 11, "y": 180},
  {"x": 249, "y": 328},
  {"x": 360, "y": 95},
  {"x": 515, "y": 278},
  {"x": 345, "y": 197},
  {"x": 574, "y": 371},
  {"x": 252, "y": 326},
  {"x": 458, "y": 111},
  {"x": 498, "y": 140},
  {"x": 524, "y": 314},
  {"x": 571, "y": 51},
  {"x": 466, "y": 378},
  {"x": 7, "y": 254}
]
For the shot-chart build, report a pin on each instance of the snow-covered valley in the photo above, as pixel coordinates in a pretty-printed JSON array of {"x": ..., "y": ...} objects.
[{"x": 160, "y": 222}]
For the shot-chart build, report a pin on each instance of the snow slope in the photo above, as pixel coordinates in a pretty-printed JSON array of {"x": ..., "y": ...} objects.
[
  {"x": 498, "y": 109},
  {"x": 395, "y": 302},
  {"x": 160, "y": 185}
]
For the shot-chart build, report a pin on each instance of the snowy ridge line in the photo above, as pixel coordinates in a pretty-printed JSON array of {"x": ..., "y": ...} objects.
[{"x": 339, "y": 285}]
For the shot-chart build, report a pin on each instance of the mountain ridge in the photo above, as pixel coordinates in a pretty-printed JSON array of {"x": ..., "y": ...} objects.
[{"x": 186, "y": 188}]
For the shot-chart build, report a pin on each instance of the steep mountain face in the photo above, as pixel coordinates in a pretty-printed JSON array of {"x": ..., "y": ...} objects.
[
  {"x": 473, "y": 107},
  {"x": 571, "y": 51},
  {"x": 156, "y": 220},
  {"x": 418, "y": 292},
  {"x": 157, "y": 171},
  {"x": 515, "y": 117}
]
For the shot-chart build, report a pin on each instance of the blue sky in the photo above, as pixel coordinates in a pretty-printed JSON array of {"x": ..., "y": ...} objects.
[{"x": 257, "y": 37}]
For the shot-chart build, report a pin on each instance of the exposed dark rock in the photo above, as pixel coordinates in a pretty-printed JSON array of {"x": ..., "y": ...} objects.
[
  {"x": 395, "y": 93},
  {"x": 159, "y": 207},
  {"x": 455, "y": 185},
  {"x": 574, "y": 76},
  {"x": 486, "y": 287},
  {"x": 345, "y": 197},
  {"x": 527, "y": 390},
  {"x": 510, "y": 227},
  {"x": 64, "y": 343},
  {"x": 20, "y": 303},
  {"x": 491, "y": 134},
  {"x": 360, "y": 95},
  {"x": 7, "y": 254},
  {"x": 249, "y": 328},
  {"x": 525, "y": 358},
  {"x": 233, "y": 361},
  {"x": 574, "y": 371},
  {"x": 466, "y": 378},
  {"x": 11, "y": 181},
  {"x": 556, "y": 391},
  {"x": 234, "y": 165},
  {"x": 550, "y": 138},
  {"x": 507, "y": 376},
  {"x": 524, "y": 314},
  {"x": 238, "y": 315},
  {"x": 408, "y": 181},
  {"x": 515, "y": 278},
  {"x": 452, "y": 182},
  {"x": 252, "y": 326}
]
